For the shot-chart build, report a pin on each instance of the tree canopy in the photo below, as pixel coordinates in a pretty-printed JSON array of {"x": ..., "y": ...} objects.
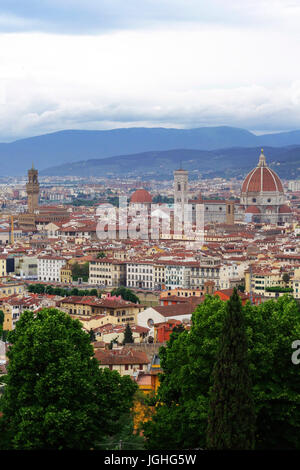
[
  {"x": 181, "y": 417},
  {"x": 61, "y": 291},
  {"x": 56, "y": 396},
  {"x": 80, "y": 271},
  {"x": 126, "y": 294},
  {"x": 231, "y": 417}
]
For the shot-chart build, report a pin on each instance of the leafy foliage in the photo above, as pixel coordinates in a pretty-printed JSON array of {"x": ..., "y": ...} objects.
[
  {"x": 126, "y": 294},
  {"x": 279, "y": 289},
  {"x": 231, "y": 419},
  {"x": 80, "y": 271},
  {"x": 62, "y": 292},
  {"x": 180, "y": 421},
  {"x": 56, "y": 397}
]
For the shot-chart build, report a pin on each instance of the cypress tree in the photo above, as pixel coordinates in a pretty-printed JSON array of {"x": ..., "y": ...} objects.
[
  {"x": 128, "y": 338},
  {"x": 231, "y": 417}
]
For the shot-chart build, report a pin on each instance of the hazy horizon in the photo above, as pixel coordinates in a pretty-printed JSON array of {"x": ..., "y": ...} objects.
[{"x": 255, "y": 132}]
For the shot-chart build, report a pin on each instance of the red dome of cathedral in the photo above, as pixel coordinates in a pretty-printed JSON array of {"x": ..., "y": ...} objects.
[
  {"x": 141, "y": 196},
  {"x": 262, "y": 179},
  {"x": 262, "y": 195}
]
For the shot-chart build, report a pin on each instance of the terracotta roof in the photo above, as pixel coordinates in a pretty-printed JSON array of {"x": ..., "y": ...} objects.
[
  {"x": 252, "y": 210},
  {"x": 141, "y": 196},
  {"x": 176, "y": 310},
  {"x": 284, "y": 209},
  {"x": 262, "y": 179},
  {"x": 123, "y": 356}
]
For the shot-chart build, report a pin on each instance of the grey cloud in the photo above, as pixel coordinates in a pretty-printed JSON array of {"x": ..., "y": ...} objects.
[{"x": 53, "y": 118}]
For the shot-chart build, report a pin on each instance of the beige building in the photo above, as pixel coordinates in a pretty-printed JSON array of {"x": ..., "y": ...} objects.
[
  {"x": 259, "y": 279},
  {"x": 11, "y": 287},
  {"x": 113, "y": 311},
  {"x": 125, "y": 361},
  {"x": 66, "y": 274},
  {"x": 13, "y": 309},
  {"x": 107, "y": 272},
  {"x": 3, "y": 265}
]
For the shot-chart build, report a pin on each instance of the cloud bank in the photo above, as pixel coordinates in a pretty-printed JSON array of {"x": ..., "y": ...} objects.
[{"x": 174, "y": 63}]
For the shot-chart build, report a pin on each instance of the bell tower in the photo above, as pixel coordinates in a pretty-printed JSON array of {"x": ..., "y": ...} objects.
[
  {"x": 33, "y": 190},
  {"x": 181, "y": 187}
]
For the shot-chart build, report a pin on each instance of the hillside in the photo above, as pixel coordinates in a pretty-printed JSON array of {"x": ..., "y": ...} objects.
[
  {"x": 160, "y": 164},
  {"x": 77, "y": 145}
]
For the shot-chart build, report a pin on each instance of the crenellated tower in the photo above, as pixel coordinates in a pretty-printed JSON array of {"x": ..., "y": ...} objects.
[{"x": 33, "y": 190}]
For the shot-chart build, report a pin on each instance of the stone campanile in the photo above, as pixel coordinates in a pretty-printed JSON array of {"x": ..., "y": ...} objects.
[
  {"x": 181, "y": 187},
  {"x": 33, "y": 190}
]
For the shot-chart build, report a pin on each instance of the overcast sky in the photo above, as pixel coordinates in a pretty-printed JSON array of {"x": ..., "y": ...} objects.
[{"x": 100, "y": 64}]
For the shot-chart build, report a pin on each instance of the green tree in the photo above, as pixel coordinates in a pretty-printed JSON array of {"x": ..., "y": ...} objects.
[
  {"x": 49, "y": 290},
  {"x": 74, "y": 291},
  {"x": 128, "y": 338},
  {"x": 162, "y": 199},
  {"x": 1, "y": 320},
  {"x": 231, "y": 419},
  {"x": 5, "y": 335},
  {"x": 56, "y": 397},
  {"x": 285, "y": 278},
  {"x": 126, "y": 294},
  {"x": 101, "y": 254},
  {"x": 2, "y": 332},
  {"x": 40, "y": 288},
  {"x": 182, "y": 401},
  {"x": 59, "y": 291},
  {"x": 112, "y": 342},
  {"x": 92, "y": 335},
  {"x": 80, "y": 271},
  {"x": 125, "y": 437}
]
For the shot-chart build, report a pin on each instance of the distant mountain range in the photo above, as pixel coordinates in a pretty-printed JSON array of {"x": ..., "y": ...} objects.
[
  {"x": 209, "y": 163},
  {"x": 67, "y": 147}
]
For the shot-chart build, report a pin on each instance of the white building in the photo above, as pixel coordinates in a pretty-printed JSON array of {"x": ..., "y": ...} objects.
[
  {"x": 49, "y": 268},
  {"x": 153, "y": 315},
  {"x": 177, "y": 275},
  {"x": 230, "y": 272},
  {"x": 294, "y": 185},
  {"x": 140, "y": 275}
]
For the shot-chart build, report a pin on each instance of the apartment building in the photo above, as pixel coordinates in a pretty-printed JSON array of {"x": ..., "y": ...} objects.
[
  {"x": 141, "y": 275},
  {"x": 14, "y": 307},
  {"x": 49, "y": 268},
  {"x": 107, "y": 272},
  {"x": 114, "y": 311}
]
